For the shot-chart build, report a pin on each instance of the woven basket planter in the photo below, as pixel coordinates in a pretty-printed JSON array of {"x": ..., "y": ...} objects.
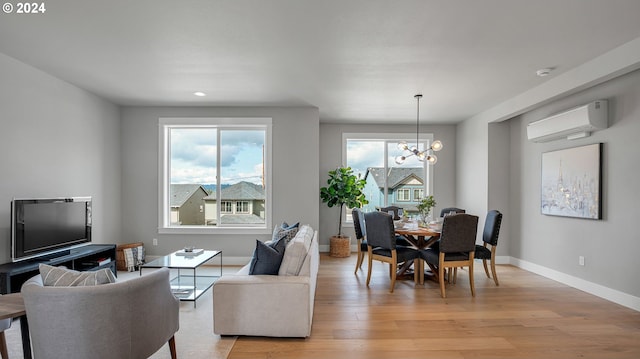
[{"x": 340, "y": 247}]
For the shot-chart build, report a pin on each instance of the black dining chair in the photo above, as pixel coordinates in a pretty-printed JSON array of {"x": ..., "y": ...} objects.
[
  {"x": 397, "y": 214},
  {"x": 456, "y": 248},
  {"x": 487, "y": 251},
  {"x": 446, "y": 211},
  {"x": 397, "y": 211},
  {"x": 381, "y": 246},
  {"x": 361, "y": 236}
]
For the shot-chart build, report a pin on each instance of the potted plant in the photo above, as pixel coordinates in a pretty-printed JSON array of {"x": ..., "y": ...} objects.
[
  {"x": 424, "y": 208},
  {"x": 343, "y": 188}
]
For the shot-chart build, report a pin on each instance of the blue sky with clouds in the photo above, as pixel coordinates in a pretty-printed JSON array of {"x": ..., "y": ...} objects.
[
  {"x": 363, "y": 154},
  {"x": 193, "y": 156}
]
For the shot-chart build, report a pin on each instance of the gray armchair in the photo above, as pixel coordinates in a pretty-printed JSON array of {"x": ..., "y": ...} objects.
[{"x": 129, "y": 319}]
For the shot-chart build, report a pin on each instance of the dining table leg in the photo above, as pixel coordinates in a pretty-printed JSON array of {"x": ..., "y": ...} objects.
[{"x": 404, "y": 267}]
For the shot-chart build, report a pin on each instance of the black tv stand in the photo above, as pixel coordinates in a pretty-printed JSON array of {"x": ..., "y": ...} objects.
[
  {"x": 13, "y": 275},
  {"x": 52, "y": 256}
]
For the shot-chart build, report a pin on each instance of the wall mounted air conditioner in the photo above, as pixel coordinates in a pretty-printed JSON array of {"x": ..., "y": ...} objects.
[{"x": 578, "y": 122}]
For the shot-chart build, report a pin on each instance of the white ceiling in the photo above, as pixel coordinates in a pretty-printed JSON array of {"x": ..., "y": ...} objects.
[{"x": 356, "y": 60}]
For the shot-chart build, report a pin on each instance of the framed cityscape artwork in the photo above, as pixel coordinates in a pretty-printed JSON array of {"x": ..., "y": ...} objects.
[{"x": 572, "y": 182}]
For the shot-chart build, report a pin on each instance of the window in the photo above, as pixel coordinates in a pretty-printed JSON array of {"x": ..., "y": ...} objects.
[
  {"x": 208, "y": 168},
  {"x": 372, "y": 157},
  {"x": 242, "y": 207},
  {"x": 403, "y": 195},
  {"x": 226, "y": 207},
  {"x": 418, "y": 194}
]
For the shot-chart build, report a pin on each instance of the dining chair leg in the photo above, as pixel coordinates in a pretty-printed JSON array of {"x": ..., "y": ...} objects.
[
  {"x": 359, "y": 260},
  {"x": 393, "y": 278},
  {"x": 393, "y": 268},
  {"x": 370, "y": 261},
  {"x": 471, "y": 284},
  {"x": 486, "y": 269},
  {"x": 493, "y": 271},
  {"x": 441, "y": 275}
]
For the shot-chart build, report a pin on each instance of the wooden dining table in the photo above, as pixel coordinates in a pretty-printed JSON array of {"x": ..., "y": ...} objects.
[
  {"x": 12, "y": 306},
  {"x": 420, "y": 238}
]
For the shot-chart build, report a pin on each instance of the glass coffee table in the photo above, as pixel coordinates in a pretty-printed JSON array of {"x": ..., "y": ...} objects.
[{"x": 187, "y": 287}]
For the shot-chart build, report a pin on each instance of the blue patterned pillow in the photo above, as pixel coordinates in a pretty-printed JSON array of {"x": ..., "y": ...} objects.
[
  {"x": 267, "y": 257},
  {"x": 286, "y": 230}
]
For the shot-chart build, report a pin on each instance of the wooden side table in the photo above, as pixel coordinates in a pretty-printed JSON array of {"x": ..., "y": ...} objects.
[{"x": 12, "y": 306}]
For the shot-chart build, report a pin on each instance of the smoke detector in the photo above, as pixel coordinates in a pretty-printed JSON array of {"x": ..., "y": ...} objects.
[{"x": 544, "y": 72}]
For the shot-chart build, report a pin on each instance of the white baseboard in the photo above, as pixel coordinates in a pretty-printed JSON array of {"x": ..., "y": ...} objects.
[
  {"x": 598, "y": 290},
  {"x": 235, "y": 261},
  {"x": 503, "y": 260}
]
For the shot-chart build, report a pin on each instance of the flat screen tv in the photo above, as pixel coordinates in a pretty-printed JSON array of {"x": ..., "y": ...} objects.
[{"x": 42, "y": 228}]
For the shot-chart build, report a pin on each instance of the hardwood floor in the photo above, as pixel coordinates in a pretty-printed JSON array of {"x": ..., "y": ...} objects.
[{"x": 527, "y": 316}]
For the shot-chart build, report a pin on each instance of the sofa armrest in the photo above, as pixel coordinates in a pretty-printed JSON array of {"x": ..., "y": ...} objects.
[{"x": 262, "y": 305}]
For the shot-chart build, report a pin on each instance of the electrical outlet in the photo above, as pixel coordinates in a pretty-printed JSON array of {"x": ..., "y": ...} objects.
[
  {"x": 581, "y": 260},
  {"x": 155, "y": 241}
]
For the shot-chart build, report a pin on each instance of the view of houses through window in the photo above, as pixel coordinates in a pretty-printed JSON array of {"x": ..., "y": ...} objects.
[
  {"x": 215, "y": 175},
  {"x": 372, "y": 157}
]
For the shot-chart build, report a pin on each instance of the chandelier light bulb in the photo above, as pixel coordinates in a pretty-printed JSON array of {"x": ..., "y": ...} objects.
[{"x": 414, "y": 150}]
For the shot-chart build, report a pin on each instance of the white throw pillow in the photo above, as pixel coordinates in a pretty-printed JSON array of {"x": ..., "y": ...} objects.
[{"x": 296, "y": 252}]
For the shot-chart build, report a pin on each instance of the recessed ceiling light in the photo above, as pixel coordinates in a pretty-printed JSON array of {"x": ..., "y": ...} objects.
[
  {"x": 200, "y": 94},
  {"x": 544, "y": 72}
]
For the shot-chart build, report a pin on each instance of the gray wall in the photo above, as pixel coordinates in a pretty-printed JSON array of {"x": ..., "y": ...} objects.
[
  {"x": 497, "y": 167},
  {"x": 498, "y": 178},
  {"x": 57, "y": 141},
  {"x": 295, "y": 175},
  {"x": 610, "y": 245},
  {"x": 331, "y": 157}
]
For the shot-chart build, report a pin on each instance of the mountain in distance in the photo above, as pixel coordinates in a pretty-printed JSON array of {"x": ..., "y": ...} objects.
[{"x": 212, "y": 186}]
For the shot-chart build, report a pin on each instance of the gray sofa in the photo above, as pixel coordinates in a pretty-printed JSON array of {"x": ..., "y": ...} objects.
[
  {"x": 271, "y": 305},
  {"x": 129, "y": 319}
]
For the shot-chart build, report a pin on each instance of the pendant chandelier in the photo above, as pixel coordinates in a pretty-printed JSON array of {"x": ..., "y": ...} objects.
[{"x": 427, "y": 154}]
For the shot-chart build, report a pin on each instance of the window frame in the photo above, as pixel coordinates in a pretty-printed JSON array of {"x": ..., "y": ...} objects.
[
  {"x": 406, "y": 195},
  {"x": 424, "y": 138},
  {"x": 226, "y": 207},
  {"x": 165, "y": 124},
  {"x": 240, "y": 205},
  {"x": 420, "y": 196}
]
